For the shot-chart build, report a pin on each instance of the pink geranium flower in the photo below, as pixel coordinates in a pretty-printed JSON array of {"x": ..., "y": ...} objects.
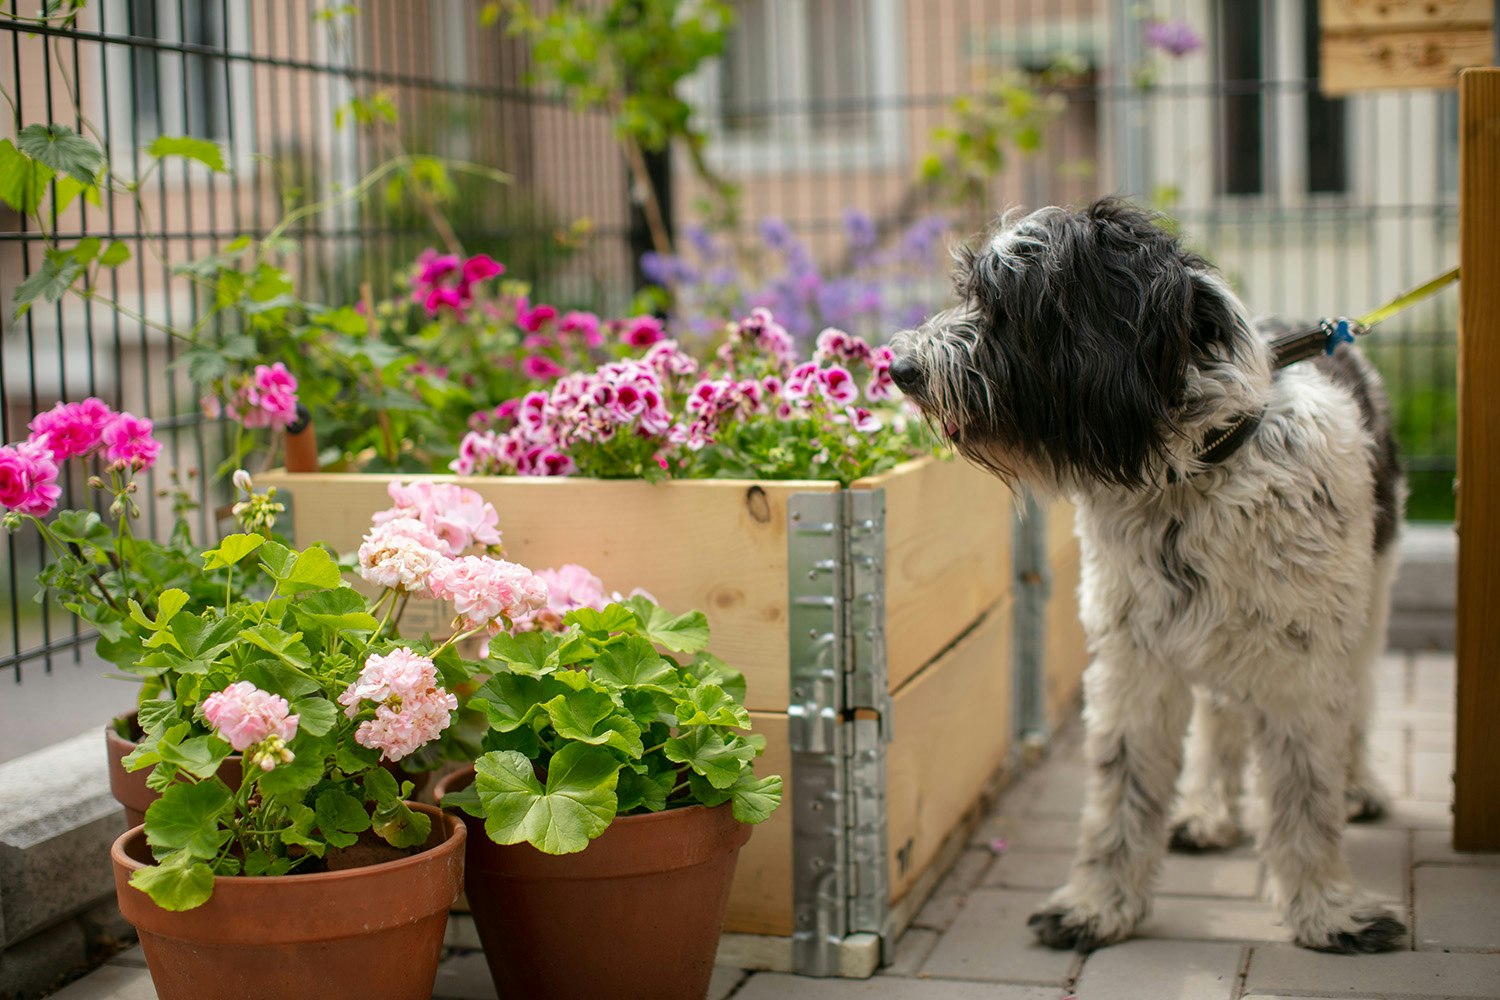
[
  {"x": 582, "y": 324},
  {"x": 458, "y": 516},
  {"x": 411, "y": 709},
  {"x": 72, "y": 430},
  {"x": 531, "y": 320},
  {"x": 485, "y": 591},
  {"x": 481, "y": 267},
  {"x": 399, "y": 554},
  {"x": 541, "y": 367},
  {"x": 838, "y": 386},
  {"x": 128, "y": 441},
  {"x": 270, "y": 397},
  {"x": 28, "y": 479},
  {"x": 244, "y": 715},
  {"x": 643, "y": 331}
]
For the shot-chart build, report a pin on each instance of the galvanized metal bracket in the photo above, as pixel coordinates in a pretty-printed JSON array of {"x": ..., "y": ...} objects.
[
  {"x": 1033, "y": 588},
  {"x": 838, "y": 722}
]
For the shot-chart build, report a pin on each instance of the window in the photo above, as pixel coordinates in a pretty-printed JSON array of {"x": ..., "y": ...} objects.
[
  {"x": 806, "y": 84},
  {"x": 1278, "y": 135},
  {"x": 179, "y": 93}
]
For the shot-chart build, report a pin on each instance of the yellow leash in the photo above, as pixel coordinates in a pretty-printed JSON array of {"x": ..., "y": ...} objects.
[{"x": 1330, "y": 333}]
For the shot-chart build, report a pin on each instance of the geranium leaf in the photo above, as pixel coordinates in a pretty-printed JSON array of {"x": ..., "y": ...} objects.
[
  {"x": 299, "y": 830},
  {"x": 186, "y": 818},
  {"x": 680, "y": 633},
  {"x": 527, "y": 653},
  {"x": 708, "y": 705},
  {"x": 115, "y": 254},
  {"x": 341, "y": 818},
  {"x": 56, "y": 274},
  {"x": 155, "y": 715},
  {"x": 62, "y": 149},
  {"x": 636, "y": 664},
  {"x": 709, "y": 669},
  {"x": 577, "y": 804},
  {"x": 709, "y": 754},
  {"x": 512, "y": 700},
  {"x": 315, "y": 716},
  {"x": 178, "y": 883},
  {"x": 401, "y": 826},
  {"x": 647, "y": 791},
  {"x": 755, "y": 798},
  {"x": 340, "y": 610},
  {"x": 593, "y": 717},
  {"x": 614, "y": 618},
  {"x": 199, "y": 756},
  {"x": 232, "y": 548}
]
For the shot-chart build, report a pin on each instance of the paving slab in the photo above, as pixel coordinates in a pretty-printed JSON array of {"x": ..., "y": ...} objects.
[
  {"x": 911, "y": 951},
  {"x": 1022, "y": 869},
  {"x": 1418, "y": 814},
  {"x": 1436, "y": 847},
  {"x": 1457, "y": 908},
  {"x": 1209, "y": 875},
  {"x": 1378, "y": 861},
  {"x": 948, "y": 898},
  {"x": 110, "y": 982},
  {"x": 465, "y": 976},
  {"x": 989, "y": 940},
  {"x": 1286, "y": 969},
  {"x": 1188, "y": 918},
  {"x": 778, "y": 986},
  {"x": 1432, "y": 775},
  {"x": 1161, "y": 970},
  {"x": 1034, "y": 834}
]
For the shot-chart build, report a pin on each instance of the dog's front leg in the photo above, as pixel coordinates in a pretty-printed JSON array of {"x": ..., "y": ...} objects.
[
  {"x": 1301, "y": 756},
  {"x": 1208, "y": 813},
  {"x": 1135, "y": 715}
]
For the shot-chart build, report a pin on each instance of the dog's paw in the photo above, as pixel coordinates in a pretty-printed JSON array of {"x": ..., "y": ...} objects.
[
  {"x": 1197, "y": 834},
  {"x": 1365, "y": 803},
  {"x": 1362, "y": 931},
  {"x": 1080, "y": 928}
]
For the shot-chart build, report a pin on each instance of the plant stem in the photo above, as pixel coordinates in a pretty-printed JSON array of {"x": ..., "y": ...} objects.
[{"x": 652, "y": 207}]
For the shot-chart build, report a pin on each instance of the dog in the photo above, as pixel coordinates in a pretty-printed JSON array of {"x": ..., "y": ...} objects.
[{"x": 1237, "y": 527}]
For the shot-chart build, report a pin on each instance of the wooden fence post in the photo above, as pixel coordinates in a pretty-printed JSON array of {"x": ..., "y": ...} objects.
[{"x": 1476, "y": 807}]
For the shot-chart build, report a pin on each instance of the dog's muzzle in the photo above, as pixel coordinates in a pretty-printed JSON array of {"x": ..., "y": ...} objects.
[{"x": 906, "y": 372}]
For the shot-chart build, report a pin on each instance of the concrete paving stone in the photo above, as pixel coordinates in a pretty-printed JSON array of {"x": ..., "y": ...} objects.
[
  {"x": 1436, "y": 847},
  {"x": 778, "y": 986},
  {"x": 989, "y": 940},
  {"x": 1285, "y": 968},
  {"x": 1190, "y": 918},
  {"x": 725, "y": 981},
  {"x": 948, "y": 898},
  {"x": 1457, "y": 908},
  {"x": 110, "y": 982},
  {"x": 1329, "y": 996},
  {"x": 1209, "y": 875},
  {"x": 464, "y": 975},
  {"x": 1057, "y": 791},
  {"x": 1419, "y": 721},
  {"x": 1418, "y": 814},
  {"x": 911, "y": 951},
  {"x": 132, "y": 956},
  {"x": 1032, "y": 834},
  {"x": 1432, "y": 741},
  {"x": 1029, "y": 870},
  {"x": 1432, "y": 775},
  {"x": 1378, "y": 861},
  {"x": 1161, "y": 970}
]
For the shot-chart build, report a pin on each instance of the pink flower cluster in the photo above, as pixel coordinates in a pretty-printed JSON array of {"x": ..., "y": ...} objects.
[
  {"x": 29, "y": 470},
  {"x": 28, "y": 479},
  {"x": 400, "y": 554},
  {"x": 411, "y": 709},
  {"x": 666, "y": 400},
  {"x": 245, "y": 716},
  {"x": 486, "y": 592},
  {"x": 266, "y": 397},
  {"x": 456, "y": 515},
  {"x": 443, "y": 281}
]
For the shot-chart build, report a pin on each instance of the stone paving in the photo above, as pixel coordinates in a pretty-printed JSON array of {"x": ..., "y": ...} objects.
[{"x": 1212, "y": 936}]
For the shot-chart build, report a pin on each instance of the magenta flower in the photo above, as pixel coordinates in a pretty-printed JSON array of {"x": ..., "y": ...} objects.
[
  {"x": 443, "y": 297},
  {"x": 270, "y": 397},
  {"x": 531, "y": 320},
  {"x": 435, "y": 267},
  {"x": 584, "y": 325},
  {"x": 244, "y": 715},
  {"x": 72, "y": 430},
  {"x": 881, "y": 386},
  {"x": 28, "y": 479},
  {"x": 838, "y": 386},
  {"x": 863, "y": 420},
  {"x": 445, "y": 282},
  {"x": 411, "y": 709},
  {"x": 541, "y": 368},
  {"x": 128, "y": 441},
  {"x": 1175, "y": 38},
  {"x": 643, "y": 331},
  {"x": 481, "y": 267}
]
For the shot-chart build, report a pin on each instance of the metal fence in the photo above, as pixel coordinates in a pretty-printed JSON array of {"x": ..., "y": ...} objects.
[{"x": 1310, "y": 206}]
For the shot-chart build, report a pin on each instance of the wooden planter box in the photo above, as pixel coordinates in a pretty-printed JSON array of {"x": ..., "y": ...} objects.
[{"x": 873, "y": 626}]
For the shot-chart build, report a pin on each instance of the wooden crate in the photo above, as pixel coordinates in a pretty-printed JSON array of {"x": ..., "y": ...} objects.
[
  {"x": 724, "y": 546},
  {"x": 1066, "y": 647}
]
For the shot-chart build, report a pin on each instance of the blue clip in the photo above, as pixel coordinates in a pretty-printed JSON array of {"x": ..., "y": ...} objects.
[{"x": 1338, "y": 333}]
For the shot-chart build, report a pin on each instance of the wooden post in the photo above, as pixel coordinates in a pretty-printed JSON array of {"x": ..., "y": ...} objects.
[{"x": 1476, "y": 807}]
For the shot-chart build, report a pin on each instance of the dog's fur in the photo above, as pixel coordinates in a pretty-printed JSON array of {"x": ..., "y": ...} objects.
[{"x": 1091, "y": 354}]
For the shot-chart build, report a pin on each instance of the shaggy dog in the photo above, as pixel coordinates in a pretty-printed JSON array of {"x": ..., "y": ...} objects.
[{"x": 1237, "y": 526}]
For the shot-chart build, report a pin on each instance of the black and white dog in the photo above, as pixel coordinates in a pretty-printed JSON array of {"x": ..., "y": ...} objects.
[{"x": 1237, "y": 528}]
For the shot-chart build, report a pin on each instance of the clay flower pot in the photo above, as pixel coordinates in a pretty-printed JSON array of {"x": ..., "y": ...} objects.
[
  {"x": 365, "y": 933},
  {"x": 129, "y": 787},
  {"x": 637, "y": 915}
]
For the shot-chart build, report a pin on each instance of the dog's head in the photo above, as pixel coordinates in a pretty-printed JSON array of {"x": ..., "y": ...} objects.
[{"x": 1088, "y": 349}]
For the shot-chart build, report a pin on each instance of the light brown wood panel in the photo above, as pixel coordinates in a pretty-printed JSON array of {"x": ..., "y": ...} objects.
[
  {"x": 947, "y": 541},
  {"x": 1383, "y": 61},
  {"x": 717, "y": 545},
  {"x": 952, "y": 724},
  {"x": 1065, "y": 648},
  {"x": 761, "y": 900},
  {"x": 1342, "y": 15},
  {"x": 1060, "y": 537},
  {"x": 1476, "y": 809}
]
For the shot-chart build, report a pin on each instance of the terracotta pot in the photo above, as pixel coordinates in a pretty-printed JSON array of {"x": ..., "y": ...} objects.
[
  {"x": 129, "y": 787},
  {"x": 371, "y": 933},
  {"x": 637, "y": 914}
]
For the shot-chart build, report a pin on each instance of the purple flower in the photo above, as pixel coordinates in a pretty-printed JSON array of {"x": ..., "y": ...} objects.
[
  {"x": 701, "y": 240},
  {"x": 775, "y": 234},
  {"x": 1175, "y": 38},
  {"x": 860, "y": 228}
]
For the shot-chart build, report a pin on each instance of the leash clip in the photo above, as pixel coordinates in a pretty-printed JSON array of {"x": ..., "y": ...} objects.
[{"x": 1341, "y": 330}]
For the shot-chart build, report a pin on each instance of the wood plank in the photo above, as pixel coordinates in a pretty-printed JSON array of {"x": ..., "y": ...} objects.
[
  {"x": 1385, "y": 61},
  {"x": 715, "y": 545},
  {"x": 952, "y": 724},
  {"x": 1376, "y": 15},
  {"x": 948, "y": 556},
  {"x": 760, "y": 901},
  {"x": 1065, "y": 647},
  {"x": 1476, "y": 809}
]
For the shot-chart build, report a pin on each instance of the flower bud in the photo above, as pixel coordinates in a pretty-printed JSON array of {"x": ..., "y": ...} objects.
[
  {"x": 242, "y": 481},
  {"x": 96, "y": 483}
]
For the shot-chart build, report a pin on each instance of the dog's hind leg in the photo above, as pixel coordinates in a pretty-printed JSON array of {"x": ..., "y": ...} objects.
[
  {"x": 1364, "y": 799},
  {"x": 1208, "y": 812},
  {"x": 1135, "y": 715},
  {"x": 1301, "y": 755}
]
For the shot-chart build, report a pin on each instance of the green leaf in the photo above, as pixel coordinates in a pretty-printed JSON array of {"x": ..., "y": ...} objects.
[
  {"x": 207, "y": 153},
  {"x": 342, "y": 609},
  {"x": 577, "y": 804},
  {"x": 82, "y": 527},
  {"x": 647, "y": 791},
  {"x": 85, "y": 250},
  {"x": 310, "y": 569},
  {"x": 401, "y": 826},
  {"x": 286, "y": 646},
  {"x": 301, "y": 820},
  {"x": 291, "y": 780},
  {"x": 199, "y": 756},
  {"x": 186, "y": 818},
  {"x": 23, "y": 181},
  {"x": 157, "y": 714},
  {"x": 177, "y": 883},
  {"x": 512, "y": 700},
  {"x": 526, "y": 653},
  {"x": 115, "y": 254},
  {"x": 55, "y": 276},
  {"x": 709, "y": 754},
  {"x": 60, "y": 148},
  {"x": 341, "y": 818},
  {"x": 634, "y": 663},
  {"x": 594, "y": 718},
  {"x": 680, "y": 633},
  {"x": 708, "y": 705},
  {"x": 231, "y": 550},
  {"x": 614, "y": 618},
  {"x": 315, "y": 716},
  {"x": 709, "y": 669},
  {"x": 756, "y": 798},
  {"x": 68, "y": 189}
]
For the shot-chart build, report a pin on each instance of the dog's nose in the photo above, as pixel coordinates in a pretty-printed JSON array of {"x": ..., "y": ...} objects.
[{"x": 906, "y": 372}]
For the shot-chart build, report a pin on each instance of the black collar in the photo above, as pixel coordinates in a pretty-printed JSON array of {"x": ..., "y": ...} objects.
[{"x": 1221, "y": 442}]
